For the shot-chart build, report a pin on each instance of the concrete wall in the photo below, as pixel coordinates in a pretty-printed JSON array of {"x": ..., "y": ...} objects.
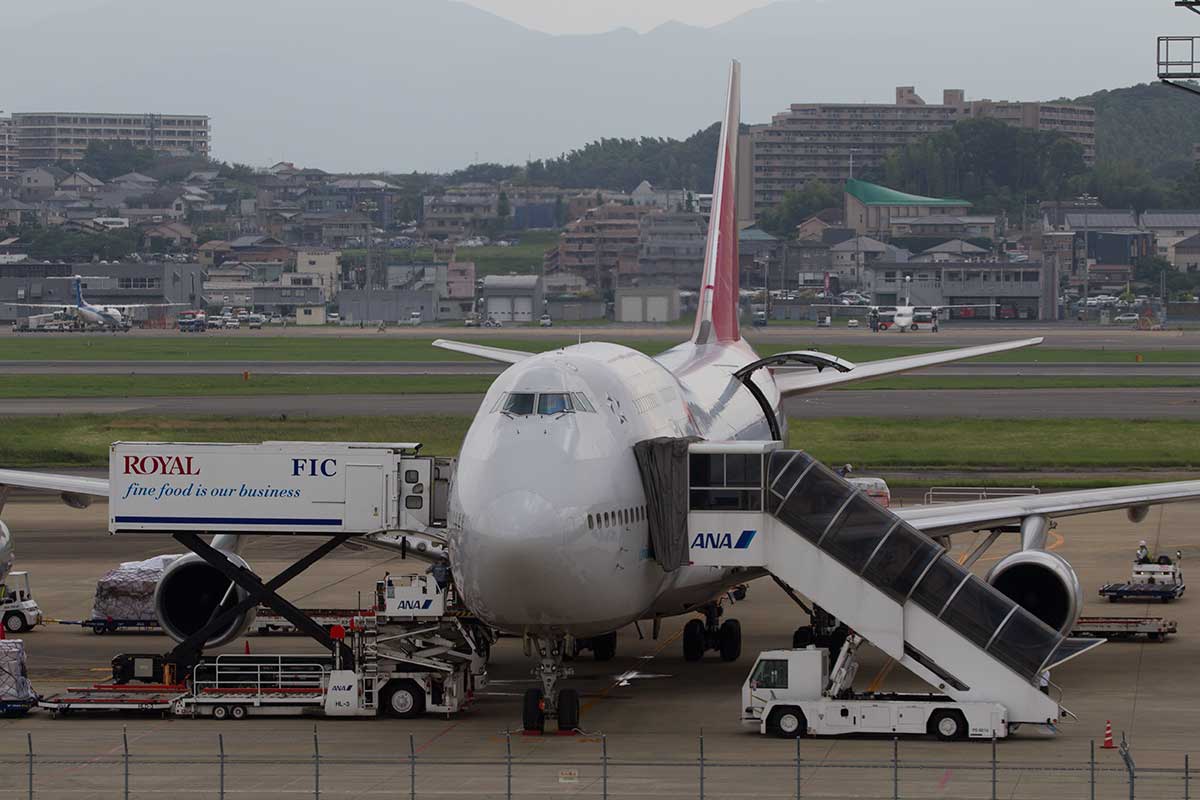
[{"x": 386, "y": 305}]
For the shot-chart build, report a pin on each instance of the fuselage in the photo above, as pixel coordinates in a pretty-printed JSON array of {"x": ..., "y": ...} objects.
[
  {"x": 101, "y": 315},
  {"x": 547, "y": 511}
]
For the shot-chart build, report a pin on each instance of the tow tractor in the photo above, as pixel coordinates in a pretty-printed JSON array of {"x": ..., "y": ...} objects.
[
  {"x": 416, "y": 652},
  {"x": 1160, "y": 580},
  {"x": 792, "y": 693},
  {"x": 18, "y": 610}
]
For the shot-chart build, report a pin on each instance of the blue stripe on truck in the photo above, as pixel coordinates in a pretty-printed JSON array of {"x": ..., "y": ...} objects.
[{"x": 229, "y": 521}]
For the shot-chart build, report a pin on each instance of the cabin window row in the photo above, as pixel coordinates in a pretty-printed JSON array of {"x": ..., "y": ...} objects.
[{"x": 622, "y": 516}]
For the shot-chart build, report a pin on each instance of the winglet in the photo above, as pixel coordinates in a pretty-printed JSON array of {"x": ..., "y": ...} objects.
[{"x": 717, "y": 316}]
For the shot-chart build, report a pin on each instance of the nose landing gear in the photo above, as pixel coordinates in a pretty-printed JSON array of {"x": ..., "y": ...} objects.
[
  {"x": 700, "y": 636},
  {"x": 547, "y": 703}
]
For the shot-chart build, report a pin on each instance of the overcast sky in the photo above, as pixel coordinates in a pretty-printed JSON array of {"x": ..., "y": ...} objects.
[
  {"x": 433, "y": 84},
  {"x": 589, "y": 16}
]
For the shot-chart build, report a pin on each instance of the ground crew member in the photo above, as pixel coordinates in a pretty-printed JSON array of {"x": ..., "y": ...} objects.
[
  {"x": 1044, "y": 681},
  {"x": 1143, "y": 553},
  {"x": 935, "y": 322}
]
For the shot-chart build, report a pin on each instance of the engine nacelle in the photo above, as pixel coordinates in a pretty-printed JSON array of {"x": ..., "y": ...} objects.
[
  {"x": 189, "y": 592},
  {"x": 1042, "y": 583}
]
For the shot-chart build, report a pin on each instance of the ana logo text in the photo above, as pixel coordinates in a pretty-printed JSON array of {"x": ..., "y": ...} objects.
[
  {"x": 160, "y": 465},
  {"x": 342, "y": 687},
  {"x": 723, "y": 541},
  {"x": 414, "y": 605}
]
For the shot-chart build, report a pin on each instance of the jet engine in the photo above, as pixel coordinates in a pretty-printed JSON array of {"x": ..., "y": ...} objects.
[
  {"x": 1042, "y": 583},
  {"x": 191, "y": 592}
]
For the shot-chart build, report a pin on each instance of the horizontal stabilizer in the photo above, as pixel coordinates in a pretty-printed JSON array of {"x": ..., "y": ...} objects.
[{"x": 805, "y": 382}]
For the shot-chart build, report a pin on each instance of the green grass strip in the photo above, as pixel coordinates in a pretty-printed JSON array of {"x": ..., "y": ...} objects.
[{"x": 868, "y": 443}]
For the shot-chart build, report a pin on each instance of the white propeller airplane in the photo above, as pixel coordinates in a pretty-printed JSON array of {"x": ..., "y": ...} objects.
[
  {"x": 907, "y": 317},
  {"x": 548, "y": 528},
  {"x": 109, "y": 317}
]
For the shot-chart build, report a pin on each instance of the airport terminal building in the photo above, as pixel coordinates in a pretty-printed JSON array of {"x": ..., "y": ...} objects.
[{"x": 1026, "y": 291}]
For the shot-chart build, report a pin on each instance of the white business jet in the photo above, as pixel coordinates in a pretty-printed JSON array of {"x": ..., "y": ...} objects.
[{"x": 548, "y": 522}]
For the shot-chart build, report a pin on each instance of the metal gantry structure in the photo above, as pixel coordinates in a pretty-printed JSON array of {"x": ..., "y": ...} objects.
[{"x": 1178, "y": 64}]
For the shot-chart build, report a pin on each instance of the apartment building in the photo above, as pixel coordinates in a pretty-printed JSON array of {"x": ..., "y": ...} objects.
[
  {"x": 827, "y": 141},
  {"x": 1078, "y": 123},
  {"x": 44, "y": 137},
  {"x": 600, "y": 243},
  {"x": 8, "y": 149}
]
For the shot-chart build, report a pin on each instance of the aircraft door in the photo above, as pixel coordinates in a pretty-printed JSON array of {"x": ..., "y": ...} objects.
[{"x": 416, "y": 493}]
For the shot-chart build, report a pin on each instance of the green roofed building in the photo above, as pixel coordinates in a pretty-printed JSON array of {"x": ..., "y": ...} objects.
[{"x": 870, "y": 208}]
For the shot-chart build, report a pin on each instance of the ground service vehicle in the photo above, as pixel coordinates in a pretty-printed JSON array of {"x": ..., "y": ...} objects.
[
  {"x": 1161, "y": 580},
  {"x": 18, "y": 610},
  {"x": 545, "y": 321},
  {"x": 792, "y": 693}
]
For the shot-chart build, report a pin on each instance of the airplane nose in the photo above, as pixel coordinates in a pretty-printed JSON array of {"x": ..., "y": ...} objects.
[{"x": 510, "y": 563}]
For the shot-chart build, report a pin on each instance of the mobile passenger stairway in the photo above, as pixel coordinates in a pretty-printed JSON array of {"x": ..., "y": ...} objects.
[{"x": 758, "y": 506}]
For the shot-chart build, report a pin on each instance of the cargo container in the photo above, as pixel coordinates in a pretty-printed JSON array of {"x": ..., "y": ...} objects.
[{"x": 275, "y": 487}]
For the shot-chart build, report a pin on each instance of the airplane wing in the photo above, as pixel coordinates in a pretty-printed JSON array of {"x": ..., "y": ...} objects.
[
  {"x": 128, "y": 306},
  {"x": 964, "y": 305},
  {"x": 75, "y": 491},
  {"x": 984, "y": 514},
  {"x": 790, "y": 383},
  {"x": 483, "y": 351},
  {"x": 59, "y": 306}
]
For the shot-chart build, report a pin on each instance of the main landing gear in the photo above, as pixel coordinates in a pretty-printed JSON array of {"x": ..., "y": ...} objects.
[
  {"x": 547, "y": 703},
  {"x": 700, "y": 636}
]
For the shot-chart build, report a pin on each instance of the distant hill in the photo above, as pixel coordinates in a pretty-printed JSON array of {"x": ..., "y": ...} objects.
[{"x": 1150, "y": 125}]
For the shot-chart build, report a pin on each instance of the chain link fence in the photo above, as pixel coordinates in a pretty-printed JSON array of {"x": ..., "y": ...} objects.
[{"x": 120, "y": 772}]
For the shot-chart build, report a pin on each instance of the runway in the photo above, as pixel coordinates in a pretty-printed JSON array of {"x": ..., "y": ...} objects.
[
  {"x": 1149, "y": 403},
  {"x": 481, "y": 367}
]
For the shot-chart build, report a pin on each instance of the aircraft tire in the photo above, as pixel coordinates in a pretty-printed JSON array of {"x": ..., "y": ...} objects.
[
  {"x": 568, "y": 710},
  {"x": 693, "y": 640},
  {"x": 730, "y": 635},
  {"x": 533, "y": 718},
  {"x": 604, "y": 648}
]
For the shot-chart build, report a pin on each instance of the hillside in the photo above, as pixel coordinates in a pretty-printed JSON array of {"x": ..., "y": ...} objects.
[{"x": 1150, "y": 125}]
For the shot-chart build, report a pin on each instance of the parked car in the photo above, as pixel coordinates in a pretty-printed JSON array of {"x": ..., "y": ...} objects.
[
  {"x": 492, "y": 322},
  {"x": 824, "y": 321},
  {"x": 471, "y": 322},
  {"x": 545, "y": 321},
  {"x": 233, "y": 323},
  {"x": 853, "y": 323},
  {"x": 276, "y": 319},
  {"x": 333, "y": 317},
  {"x": 1125, "y": 318},
  {"x": 255, "y": 322},
  {"x": 216, "y": 322}
]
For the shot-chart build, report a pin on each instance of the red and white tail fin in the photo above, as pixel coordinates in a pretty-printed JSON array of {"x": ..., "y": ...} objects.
[{"x": 717, "y": 315}]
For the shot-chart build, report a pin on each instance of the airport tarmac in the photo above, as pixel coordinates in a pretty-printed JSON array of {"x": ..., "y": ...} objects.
[
  {"x": 1148, "y": 691},
  {"x": 478, "y": 366},
  {"x": 1141, "y": 403},
  {"x": 953, "y": 334}
]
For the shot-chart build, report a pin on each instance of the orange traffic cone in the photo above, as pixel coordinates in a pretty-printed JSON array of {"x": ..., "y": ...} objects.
[
  {"x": 1108, "y": 740},
  {"x": 248, "y": 653}
]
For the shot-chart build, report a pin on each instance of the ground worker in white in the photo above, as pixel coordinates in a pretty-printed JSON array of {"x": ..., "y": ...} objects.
[{"x": 1143, "y": 553}]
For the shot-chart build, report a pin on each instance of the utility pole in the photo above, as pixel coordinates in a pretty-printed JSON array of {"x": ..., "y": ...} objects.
[{"x": 1088, "y": 201}]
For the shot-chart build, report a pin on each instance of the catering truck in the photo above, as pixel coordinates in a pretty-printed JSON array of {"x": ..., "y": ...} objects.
[{"x": 276, "y": 487}]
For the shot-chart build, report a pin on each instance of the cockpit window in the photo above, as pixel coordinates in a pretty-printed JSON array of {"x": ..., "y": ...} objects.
[
  {"x": 582, "y": 403},
  {"x": 519, "y": 403},
  {"x": 554, "y": 403}
]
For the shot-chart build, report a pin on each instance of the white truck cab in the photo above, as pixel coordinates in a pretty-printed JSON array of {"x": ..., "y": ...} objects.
[
  {"x": 18, "y": 610},
  {"x": 792, "y": 693}
]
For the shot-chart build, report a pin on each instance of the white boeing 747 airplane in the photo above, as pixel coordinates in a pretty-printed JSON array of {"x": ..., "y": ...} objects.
[
  {"x": 548, "y": 523},
  {"x": 110, "y": 317}
]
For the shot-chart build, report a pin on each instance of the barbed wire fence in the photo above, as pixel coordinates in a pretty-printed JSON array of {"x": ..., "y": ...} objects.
[{"x": 407, "y": 772}]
